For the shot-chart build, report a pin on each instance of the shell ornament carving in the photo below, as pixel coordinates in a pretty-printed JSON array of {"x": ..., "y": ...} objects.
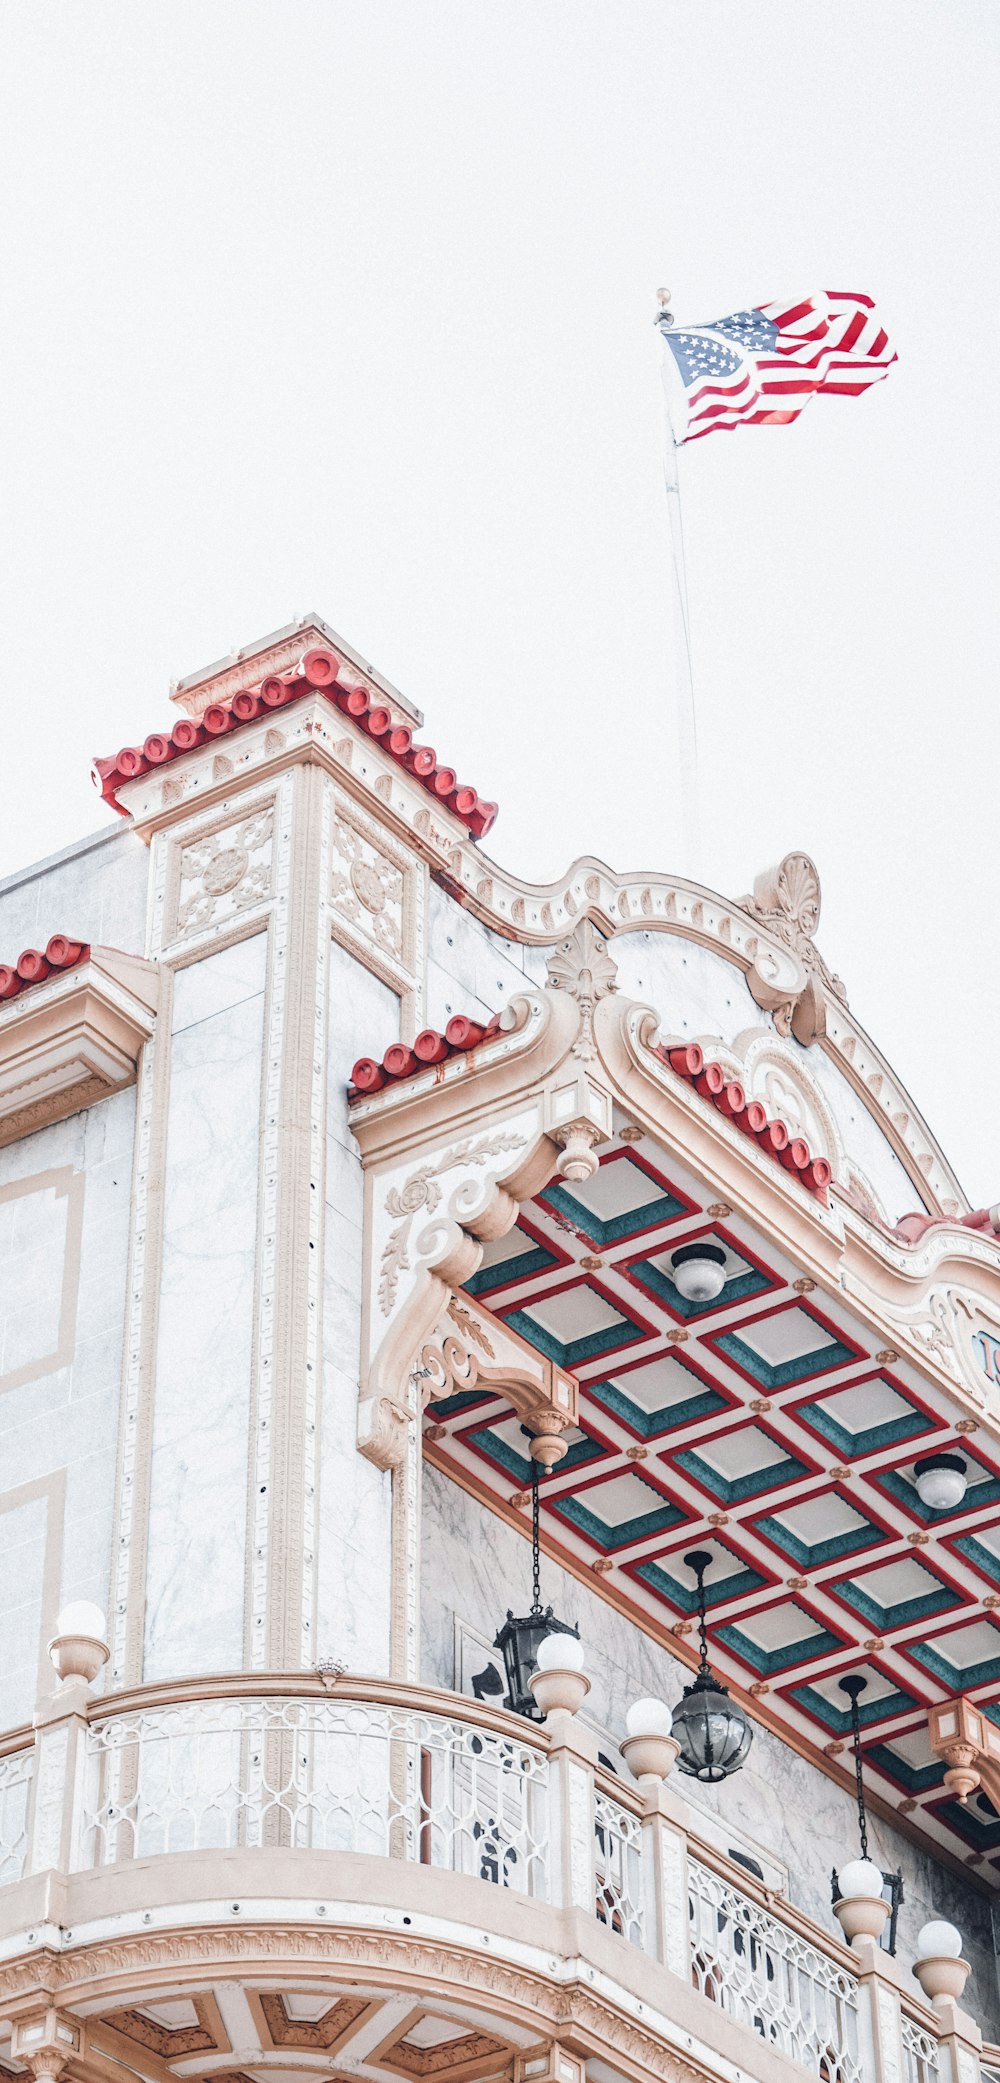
[
  {"x": 583, "y": 967},
  {"x": 787, "y": 900}
]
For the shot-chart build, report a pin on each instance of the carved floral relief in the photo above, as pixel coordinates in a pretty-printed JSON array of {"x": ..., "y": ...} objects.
[
  {"x": 367, "y": 889},
  {"x": 225, "y": 872}
]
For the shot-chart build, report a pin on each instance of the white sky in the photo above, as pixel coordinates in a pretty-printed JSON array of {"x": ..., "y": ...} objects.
[{"x": 347, "y": 308}]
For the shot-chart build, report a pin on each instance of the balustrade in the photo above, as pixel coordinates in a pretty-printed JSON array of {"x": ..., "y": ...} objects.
[{"x": 408, "y": 1774}]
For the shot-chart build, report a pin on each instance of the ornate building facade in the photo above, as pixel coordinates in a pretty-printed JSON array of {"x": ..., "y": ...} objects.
[{"x": 361, "y": 1204}]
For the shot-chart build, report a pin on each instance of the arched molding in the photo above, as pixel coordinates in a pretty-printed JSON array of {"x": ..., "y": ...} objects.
[
  {"x": 596, "y": 2014},
  {"x": 770, "y": 943},
  {"x": 773, "y": 1072},
  {"x": 768, "y": 935}
]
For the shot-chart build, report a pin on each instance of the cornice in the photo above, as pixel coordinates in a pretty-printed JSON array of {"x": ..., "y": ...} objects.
[
  {"x": 768, "y": 937},
  {"x": 73, "y": 1039}
]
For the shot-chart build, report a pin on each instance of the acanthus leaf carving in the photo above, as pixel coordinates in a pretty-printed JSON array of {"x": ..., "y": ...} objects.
[
  {"x": 421, "y": 1193},
  {"x": 786, "y": 899},
  {"x": 582, "y": 966}
]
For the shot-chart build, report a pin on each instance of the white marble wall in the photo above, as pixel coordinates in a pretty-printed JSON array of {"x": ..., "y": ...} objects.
[
  {"x": 198, "y": 1480},
  {"x": 474, "y": 1566},
  {"x": 95, "y": 890},
  {"x": 63, "y": 1274},
  {"x": 469, "y": 969},
  {"x": 355, "y": 1498}
]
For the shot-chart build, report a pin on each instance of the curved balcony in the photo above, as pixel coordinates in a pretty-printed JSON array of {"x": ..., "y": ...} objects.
[{"x": 372, "y": 1792}]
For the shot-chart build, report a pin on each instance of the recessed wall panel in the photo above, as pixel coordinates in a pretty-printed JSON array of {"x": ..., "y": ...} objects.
[{"x": 198, "y": 1478}]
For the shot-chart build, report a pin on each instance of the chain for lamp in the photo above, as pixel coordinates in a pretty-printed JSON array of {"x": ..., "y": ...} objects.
[
  {"x": 704, "y": 1668},
  {"x": 858, "y": 1778},
  {"x": 536, "y": 1577}
]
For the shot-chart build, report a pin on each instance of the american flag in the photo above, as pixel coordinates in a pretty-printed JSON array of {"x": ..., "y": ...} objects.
[{"x": 763, "y": 366}]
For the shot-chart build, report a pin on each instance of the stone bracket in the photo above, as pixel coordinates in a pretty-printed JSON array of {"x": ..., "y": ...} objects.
[
  {"x": 472, "y": 1350},
  {"x": 970, "y": 1747}
]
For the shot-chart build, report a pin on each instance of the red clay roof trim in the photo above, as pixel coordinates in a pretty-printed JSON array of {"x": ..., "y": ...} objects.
[
  {"x": 729, "y": 1097},
  {"x": 34, "y": 966},
  {"x": 709, "y": 1079},
  {"x": 429, "y": 1049},
  {"x": 317, "y": 674}
]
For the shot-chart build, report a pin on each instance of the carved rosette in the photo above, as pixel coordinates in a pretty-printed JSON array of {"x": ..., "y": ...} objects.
[
  {"x": 224, "y": 872},
  {"x": 368, "y": 889}
]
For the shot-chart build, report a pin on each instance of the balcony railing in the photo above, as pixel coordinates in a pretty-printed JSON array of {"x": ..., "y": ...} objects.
[{"x": 405, "y": 1773}]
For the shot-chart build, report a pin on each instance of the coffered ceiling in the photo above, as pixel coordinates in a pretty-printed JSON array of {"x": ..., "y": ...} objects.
[{"x": 771, "y": 1428}]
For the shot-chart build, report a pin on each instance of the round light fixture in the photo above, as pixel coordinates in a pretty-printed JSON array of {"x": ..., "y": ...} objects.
[
  {"x": 649, "y": 1718},
  {"x": 858, "y": 1879},
  {"x": 560, "y": 1652},
  {"x": 713, "y": 1732},
  {"x": 942, "y": 1480},
  {"x": 522, "y": 1635},
  {"x": 939, "y": 1941},
  {"x": 698, "y": 1271}
]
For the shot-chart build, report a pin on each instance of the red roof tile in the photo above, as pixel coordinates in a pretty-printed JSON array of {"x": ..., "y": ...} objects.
[
  {"x": 33, "y": 967},
  {"x": 728, "y": 1095},
  {"x": 317, "y": 673},
  {"x": 709, "y": 1079},
  {"x": 430, "y": 1048}
]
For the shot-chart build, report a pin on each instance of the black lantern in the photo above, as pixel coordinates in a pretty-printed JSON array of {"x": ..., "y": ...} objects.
[
  {"x": 713, "y": 1732},
  {"x": 892, "y": 1883},
  {"x": 518, "y": 1640}
]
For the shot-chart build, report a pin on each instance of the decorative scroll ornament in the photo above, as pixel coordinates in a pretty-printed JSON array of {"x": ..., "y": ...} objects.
[
  {"x": 420, "y": 1194},
  {"x": 583, "y": 967},
  {"x": 543, "y": 1394},
  {"x": 786, "y": 899}
]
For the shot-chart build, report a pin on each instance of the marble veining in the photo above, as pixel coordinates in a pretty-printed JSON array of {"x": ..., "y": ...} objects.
[
  {"x": 59, "y": 1430},
  {"x": 199, "y": 1467},
  {"x": 353, "y": 1519}
]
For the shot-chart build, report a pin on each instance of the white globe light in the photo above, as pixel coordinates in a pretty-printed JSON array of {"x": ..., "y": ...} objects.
[
  {"x": 82, "y": 1617},
  {"x": 701, "y": 1277},
  {"x": 649, "y": 1718},
  {"x": 859, "y": 1877},
  {"x": 938, "y": 1941},
  {"x": 560, "y": 1653},
  {"x": 941, "y": 1481}
]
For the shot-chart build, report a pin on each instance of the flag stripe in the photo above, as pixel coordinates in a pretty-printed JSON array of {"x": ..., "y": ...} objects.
[{"x": 736, "y": 370}]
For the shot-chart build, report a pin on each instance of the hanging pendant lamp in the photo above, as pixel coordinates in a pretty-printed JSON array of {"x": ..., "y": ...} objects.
[
  {"x": 518, "y": 1639},
  {"x": 852, "y": 1881},
  {"x": 712, "y": 1730}
]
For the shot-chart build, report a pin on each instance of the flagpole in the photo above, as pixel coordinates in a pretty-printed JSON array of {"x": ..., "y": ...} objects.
[{"x": 685, "y": 722}]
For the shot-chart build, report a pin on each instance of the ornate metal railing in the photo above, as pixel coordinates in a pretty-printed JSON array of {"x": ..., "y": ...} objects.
[
  {"x": 921, "y": 2056},
  {"x": 406, "y": 1773},
  {"x": 618, "y": 1868},
  {"x": 770, "y": 1978},
  {"x": 323, "y": 1773}
]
